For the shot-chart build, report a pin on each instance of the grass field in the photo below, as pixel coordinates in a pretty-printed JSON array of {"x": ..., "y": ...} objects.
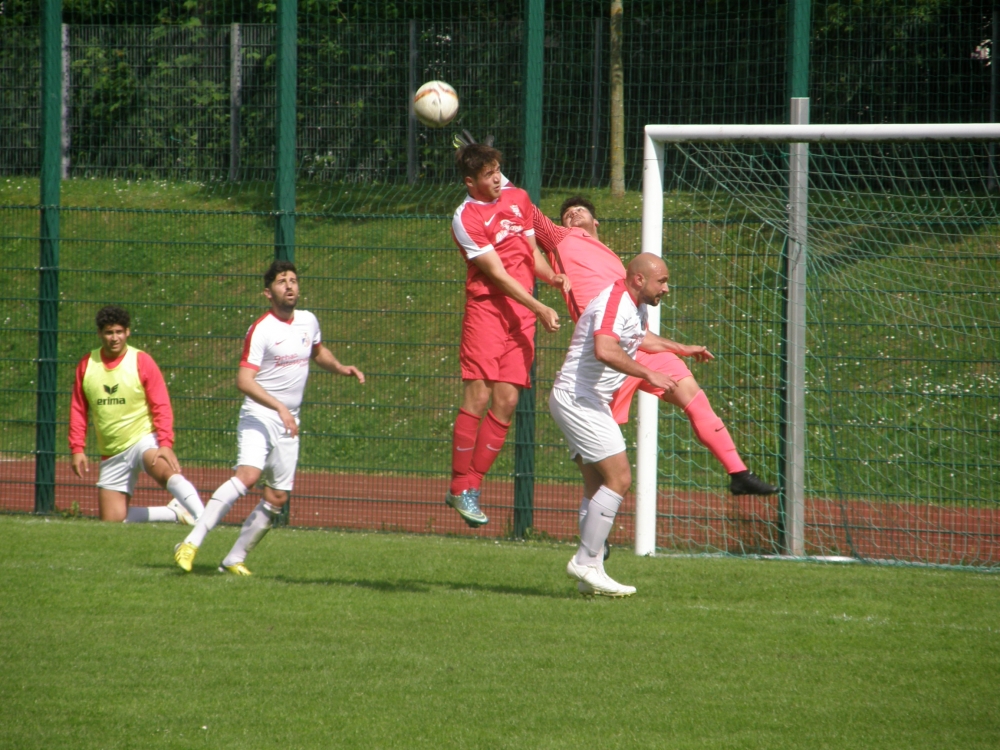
[{"x": 380, "y": 640}]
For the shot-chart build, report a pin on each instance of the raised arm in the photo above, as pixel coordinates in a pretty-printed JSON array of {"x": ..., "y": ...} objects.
[{"x": 544, "y": 272}]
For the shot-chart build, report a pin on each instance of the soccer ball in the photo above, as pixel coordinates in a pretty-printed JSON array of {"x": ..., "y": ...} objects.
[{"x": 435, "y": 104}]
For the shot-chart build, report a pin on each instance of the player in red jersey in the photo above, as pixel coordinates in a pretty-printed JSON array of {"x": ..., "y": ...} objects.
[
  {"x": 493, "y": 228},
  {"x": 576, "y": 250},
  {"x": 121, "y": 390}
]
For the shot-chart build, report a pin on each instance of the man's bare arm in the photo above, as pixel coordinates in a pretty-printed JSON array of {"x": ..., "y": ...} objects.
[
  {"x": 653, "y": 343},
  {"x": 246, "y": 382},
  {"x": 492, "y": 267},
  {"x": 324, "y": 358},
  {"x": 607, "y": 350}
]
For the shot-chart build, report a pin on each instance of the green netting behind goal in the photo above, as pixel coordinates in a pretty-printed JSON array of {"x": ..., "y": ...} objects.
[{"x": 902, "y": 336}]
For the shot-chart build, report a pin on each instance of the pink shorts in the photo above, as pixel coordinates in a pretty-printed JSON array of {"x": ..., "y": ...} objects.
[
  {"x": 666, "y": 362},
  {"x": 498, "y": 341}
]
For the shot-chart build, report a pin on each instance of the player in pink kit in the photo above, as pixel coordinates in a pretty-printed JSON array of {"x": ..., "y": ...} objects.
[
  {"x": 575, "y": 250},
  {"x": 601, "y": 355},
  {"x": 273, "y": 371},
  {"x": 493, "y": 228}
]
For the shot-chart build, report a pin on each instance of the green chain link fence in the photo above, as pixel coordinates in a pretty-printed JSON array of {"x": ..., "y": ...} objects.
[{"x": 168, "y": 149}]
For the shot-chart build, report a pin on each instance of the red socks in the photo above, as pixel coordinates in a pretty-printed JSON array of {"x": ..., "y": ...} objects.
[
  {"x": 463, "y": 443},
  {"x": 475, "y": 446},
  {"x": 492, "y": 434},
  {"x": 712, "y": 432}
]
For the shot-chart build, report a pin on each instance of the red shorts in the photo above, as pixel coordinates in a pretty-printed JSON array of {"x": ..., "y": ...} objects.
[
  {"x": 498, "y": 341},
  {"x": 666, "y": 362}
]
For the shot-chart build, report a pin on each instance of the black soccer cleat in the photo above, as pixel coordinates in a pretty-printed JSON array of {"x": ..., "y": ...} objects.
[
  {"x": 748, "y": 483},
  {"x": 607, "y": 549}
]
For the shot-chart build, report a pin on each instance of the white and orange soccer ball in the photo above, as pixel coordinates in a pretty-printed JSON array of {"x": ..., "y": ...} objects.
[{"x": 435, "y": 104}]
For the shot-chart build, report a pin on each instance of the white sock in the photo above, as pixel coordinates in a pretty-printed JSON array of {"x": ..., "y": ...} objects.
[
  {"x": 258, "y": 523},
  {"x": 185, "y": 493},
  {"x": 157, "y": 513},
  {"x": 584, "y": 505},
  {"x": 597, "y": 526},
  {"x": 222, "y": 500}
]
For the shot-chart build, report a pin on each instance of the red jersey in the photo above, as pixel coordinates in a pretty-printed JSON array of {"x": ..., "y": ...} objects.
[
  {"x": 590, "y": 264},
  {"x": 157, "y": 400},
  {"x": 502, "y": 225}
]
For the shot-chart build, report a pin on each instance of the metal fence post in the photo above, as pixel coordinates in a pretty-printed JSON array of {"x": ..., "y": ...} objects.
[
  {"x": 524, "y": 417},
  {"x": 65, "y": 104},
  {"x": 411, "y": 122},
  {"x": 48, "y": 265},
  {"x": 235, "y": 99},
  {"x": 285, "y": 130}
]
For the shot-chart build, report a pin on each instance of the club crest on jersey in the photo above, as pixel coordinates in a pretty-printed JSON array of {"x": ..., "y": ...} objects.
[
  {"x": 516, "y": 211},
  {"x": 305, "y": 339}
]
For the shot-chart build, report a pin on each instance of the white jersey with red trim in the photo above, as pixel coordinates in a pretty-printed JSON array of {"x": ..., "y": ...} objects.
[
  {"x": 615, "y": 313},
  {"x": 280, "y": 351}
]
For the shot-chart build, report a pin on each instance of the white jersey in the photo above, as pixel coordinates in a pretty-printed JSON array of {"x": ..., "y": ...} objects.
[
  {"x": 280, "y": 353},
  {"x": 613, "y": 312}
]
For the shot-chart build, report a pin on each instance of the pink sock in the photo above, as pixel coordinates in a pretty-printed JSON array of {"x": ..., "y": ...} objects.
[
  {"x": 712, "y": 433},
  {"x": 492, "y": 434},
  {"x": 463, "y": 443}
]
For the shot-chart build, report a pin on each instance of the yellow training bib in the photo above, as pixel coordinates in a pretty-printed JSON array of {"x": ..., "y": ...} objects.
[{"x": 117, "y": 402}]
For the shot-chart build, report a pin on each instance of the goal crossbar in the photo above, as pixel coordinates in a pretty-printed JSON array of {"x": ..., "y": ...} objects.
[{"x": 824, "y": 133}]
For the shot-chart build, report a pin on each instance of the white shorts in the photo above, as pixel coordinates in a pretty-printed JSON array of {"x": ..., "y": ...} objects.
[
  {"x": 121, "y": 471},
  {"x": 589, "y": 427},
  {"x": 265, "y": 445}
]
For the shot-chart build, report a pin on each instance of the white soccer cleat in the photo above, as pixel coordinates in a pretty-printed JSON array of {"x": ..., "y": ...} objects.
[
  {"x": 183, "y": 516},
  {"x": 598, "y": 582}
]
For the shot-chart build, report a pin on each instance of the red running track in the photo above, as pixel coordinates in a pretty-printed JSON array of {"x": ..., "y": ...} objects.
[{"x": 687, "y": 521}]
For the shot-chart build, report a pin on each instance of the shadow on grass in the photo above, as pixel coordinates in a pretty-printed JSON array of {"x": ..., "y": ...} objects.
[
  {"x": 424, "y": 587},
  {"x": 413, "y": 586}
]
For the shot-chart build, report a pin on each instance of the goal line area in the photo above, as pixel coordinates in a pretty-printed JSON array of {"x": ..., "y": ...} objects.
[{"x": 847, "y": 279}]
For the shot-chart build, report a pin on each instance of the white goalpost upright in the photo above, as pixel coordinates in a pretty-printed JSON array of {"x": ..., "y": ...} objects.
[{"x": 798, "y": 136}]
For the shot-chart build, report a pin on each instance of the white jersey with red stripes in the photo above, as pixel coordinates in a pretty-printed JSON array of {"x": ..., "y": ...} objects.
[
  {"x": 613, "y": 312},
  {"x": 280, "y": 351}
]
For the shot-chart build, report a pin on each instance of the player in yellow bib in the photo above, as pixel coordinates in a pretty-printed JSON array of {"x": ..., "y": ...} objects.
[{"x": 121, "y": 390}]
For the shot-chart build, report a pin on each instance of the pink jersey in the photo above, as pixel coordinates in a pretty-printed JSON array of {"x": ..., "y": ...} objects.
[
  {"x": 502, "y": 225},
  {"x": 590, "y": 264},
  {"x": 280, "y": 351},
  {"x": 614, "y": 313}
]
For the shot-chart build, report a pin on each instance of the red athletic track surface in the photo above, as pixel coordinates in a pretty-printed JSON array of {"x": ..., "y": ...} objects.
[{"x": 688, "y": 521}]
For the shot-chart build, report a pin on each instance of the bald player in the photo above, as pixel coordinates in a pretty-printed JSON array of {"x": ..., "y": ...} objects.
[{"x": 602, "y": 354}]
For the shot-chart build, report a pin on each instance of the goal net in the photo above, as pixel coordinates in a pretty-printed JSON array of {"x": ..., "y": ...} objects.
[{"x": 847, "y": 278}]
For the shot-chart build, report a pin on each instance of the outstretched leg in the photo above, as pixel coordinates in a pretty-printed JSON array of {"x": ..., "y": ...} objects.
[{"x": 710, "y": 430}]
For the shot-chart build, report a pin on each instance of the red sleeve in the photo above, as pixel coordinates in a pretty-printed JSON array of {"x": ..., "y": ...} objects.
[
  {"x": 78, "y": 410},
  {"x": 157, "y": 399},
  {"x": 605, "y": 325},
  {"x": 529, "y": 220},
  {"x": 547, "y": 233}
]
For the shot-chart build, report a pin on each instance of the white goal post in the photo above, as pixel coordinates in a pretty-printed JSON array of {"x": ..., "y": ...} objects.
[{"x": 798, "y": 137}]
